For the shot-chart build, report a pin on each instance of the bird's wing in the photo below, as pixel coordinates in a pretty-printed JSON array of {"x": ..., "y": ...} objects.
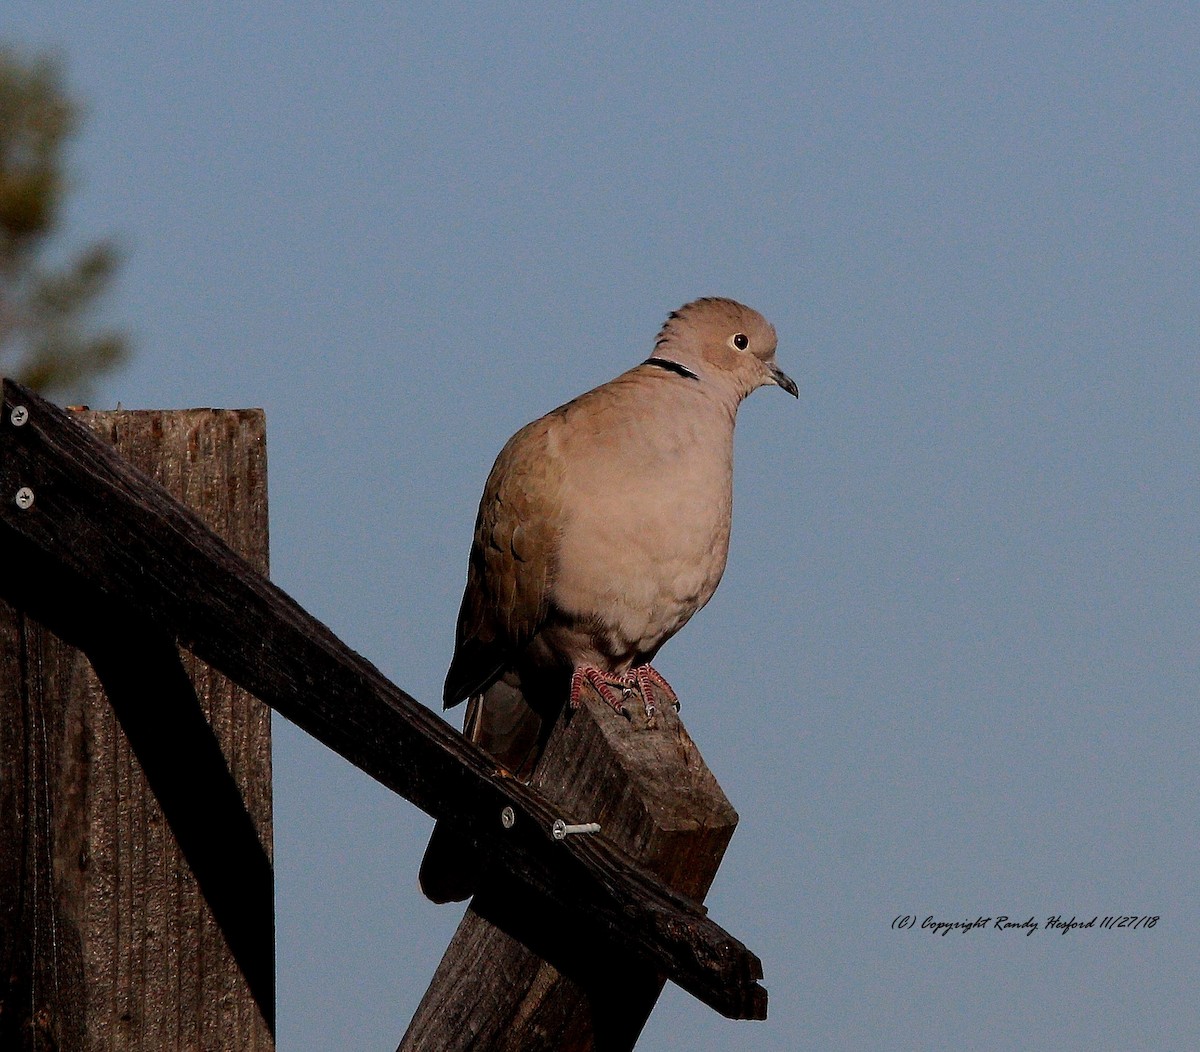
[{"x": 512, "y": 561}]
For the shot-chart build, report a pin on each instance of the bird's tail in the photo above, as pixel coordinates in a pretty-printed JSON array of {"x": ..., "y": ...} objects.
[{"x": 501, "y": 721}]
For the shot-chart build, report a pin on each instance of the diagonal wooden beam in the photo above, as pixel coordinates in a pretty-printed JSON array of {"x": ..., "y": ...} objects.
[{"x": 74, "y": 501}]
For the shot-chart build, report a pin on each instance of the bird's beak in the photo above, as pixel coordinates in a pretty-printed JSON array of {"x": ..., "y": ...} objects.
[{"x": 781, "y": 379}]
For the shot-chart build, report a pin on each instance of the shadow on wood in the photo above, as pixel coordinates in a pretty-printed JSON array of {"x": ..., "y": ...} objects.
[
  {"x": 519, "y": 977},
  {"x": 156, "y": 704}
]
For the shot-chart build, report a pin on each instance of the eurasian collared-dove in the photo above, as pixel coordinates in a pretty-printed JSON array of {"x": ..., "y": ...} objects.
[{"x": 603, "y": 527}]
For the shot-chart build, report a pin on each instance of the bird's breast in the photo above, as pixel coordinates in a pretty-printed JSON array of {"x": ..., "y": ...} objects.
[{"x": 647, "y": 538}]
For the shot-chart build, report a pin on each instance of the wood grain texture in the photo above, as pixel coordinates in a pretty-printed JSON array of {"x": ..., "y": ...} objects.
[
  {"x": 102, "y": 526},
  {"x": 519, "y": 978},
  {"x": 134, "y": 792}
]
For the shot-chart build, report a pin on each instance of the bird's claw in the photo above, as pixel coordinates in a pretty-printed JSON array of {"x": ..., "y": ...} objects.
[
  {"x": 602, "y": 683},
  {"x": 644, "y": 680},
  {"x": 650, "y": 683}
]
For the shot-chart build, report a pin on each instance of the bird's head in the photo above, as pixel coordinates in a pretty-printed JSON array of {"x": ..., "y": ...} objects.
[{"x": 724, "y": 343}]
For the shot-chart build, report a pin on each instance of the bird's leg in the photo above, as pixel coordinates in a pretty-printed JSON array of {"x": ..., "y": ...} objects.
[
  {"x": 603, "y": 683},
  {"x": 649, "y": 681}
]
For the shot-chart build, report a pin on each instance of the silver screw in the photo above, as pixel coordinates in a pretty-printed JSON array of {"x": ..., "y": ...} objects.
[
  {"x": 508, "y": 817},
  {"x": 19, "y": 415},
  {"x": 560, "y": 830},
  {"x": 24, "y": 498}
]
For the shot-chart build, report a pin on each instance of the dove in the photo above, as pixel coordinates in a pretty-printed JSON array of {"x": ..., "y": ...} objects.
[{"x": 603, "y": 528}]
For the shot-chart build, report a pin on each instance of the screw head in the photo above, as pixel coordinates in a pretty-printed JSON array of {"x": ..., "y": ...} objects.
[
  {"x": 24, "y": 498},
  {"x": 559, "y": 829},
  {"x": 19, "y": 415},
  {"x": 508, "y": 818}
]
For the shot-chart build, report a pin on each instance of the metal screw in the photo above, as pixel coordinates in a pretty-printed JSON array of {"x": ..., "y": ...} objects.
[
  {"x": 560, "y": 830},
  {"x": 508, "y": 817},
  {"x": 24, "y": 498},
  {"x": 19, "y": 415}
]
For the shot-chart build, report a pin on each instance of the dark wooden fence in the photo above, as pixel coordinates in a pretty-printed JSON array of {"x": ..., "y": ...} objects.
[{"x": 566, "y": 945}]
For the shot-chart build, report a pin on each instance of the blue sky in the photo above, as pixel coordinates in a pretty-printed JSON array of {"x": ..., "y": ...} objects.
[{"x": 952, "y": 668}]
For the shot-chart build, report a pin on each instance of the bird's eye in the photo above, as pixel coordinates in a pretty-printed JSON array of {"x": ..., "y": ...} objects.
[{"x": 740, "y": 340}]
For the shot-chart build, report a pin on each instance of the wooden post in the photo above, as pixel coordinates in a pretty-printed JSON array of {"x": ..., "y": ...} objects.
[
  {"x": 136, "y": 893},
  {"x": 520, "y": 978}
]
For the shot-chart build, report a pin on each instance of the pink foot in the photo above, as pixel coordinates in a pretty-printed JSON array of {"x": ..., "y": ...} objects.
[
  {"x": 649, "y": 682},
  {"x": 603, "y": 682}
]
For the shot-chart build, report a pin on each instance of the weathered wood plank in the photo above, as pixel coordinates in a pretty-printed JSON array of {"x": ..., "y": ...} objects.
[
  {"x": 517, "y": 978},
  {"x": 42, "y": 991},
  {"x": 154, "y": 923},
  {"x": 155, "y": 555}
]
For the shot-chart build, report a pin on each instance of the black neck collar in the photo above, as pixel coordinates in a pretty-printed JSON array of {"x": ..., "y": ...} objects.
[{"x": 671, "y": 367}]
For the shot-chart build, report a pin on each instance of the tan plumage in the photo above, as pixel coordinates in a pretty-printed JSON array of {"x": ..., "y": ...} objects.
[{"x": 603, "y": 527}]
